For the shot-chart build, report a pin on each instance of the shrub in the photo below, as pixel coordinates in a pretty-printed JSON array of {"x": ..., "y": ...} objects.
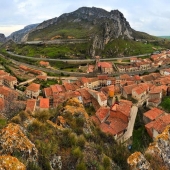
[
  {"x": 81, "y": 166},
  {"x": 23, "y": 115},
  {"x": 81, "y": 141},
  {"x": 16, "y": 119},
  {"x": 77, "y": 153},
  {"x": 106, "y": 162},
  {"x": 42, "y": 116},
  {"x": 33, "y": 166}
]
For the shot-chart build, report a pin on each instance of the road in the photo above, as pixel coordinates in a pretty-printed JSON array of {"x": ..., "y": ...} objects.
[
  {"x": 131, "y": 123},
  {"x": 72, "y": 60}
]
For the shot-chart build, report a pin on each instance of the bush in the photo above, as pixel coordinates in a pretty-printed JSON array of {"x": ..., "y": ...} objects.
[
  {"x": 81, "y": 141},
  {"x": 16, "y": 119},
  {"x": 42, "y": 116},
  {"x": 77, "y": 153},
  {"x": 106, "y": 162},
  {"x": 81, "y": 166},
  {"x": 33, "y": 166}
]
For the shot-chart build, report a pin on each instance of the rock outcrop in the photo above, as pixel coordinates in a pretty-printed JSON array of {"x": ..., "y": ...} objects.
[
  {"x": 10, "y": 163},
  {"x": 2, "y": 38},
  {"x": 138, "y": 162},
  {"x": 157, "y": 154},
  {"x": 17, "y": 36},
  {"x": 13, "y": 140},
  {"x": 101, "y": 26}
]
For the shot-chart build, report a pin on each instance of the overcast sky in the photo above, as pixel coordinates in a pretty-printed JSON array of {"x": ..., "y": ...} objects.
[{"x": 150, "y": 16}]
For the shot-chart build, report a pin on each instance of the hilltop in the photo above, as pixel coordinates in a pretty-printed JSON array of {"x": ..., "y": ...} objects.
[{"x": 85, "y": 32}]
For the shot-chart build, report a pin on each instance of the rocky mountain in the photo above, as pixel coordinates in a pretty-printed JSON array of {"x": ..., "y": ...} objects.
[
  {"x": 2, "y": 38},
  {"x": 18, "y": 35},
  {"x": 155, "y": 157},
  {"x": 97, "y": 25}
]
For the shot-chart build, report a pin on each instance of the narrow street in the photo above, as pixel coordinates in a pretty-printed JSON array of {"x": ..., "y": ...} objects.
[{"x": 131, "y": 123}]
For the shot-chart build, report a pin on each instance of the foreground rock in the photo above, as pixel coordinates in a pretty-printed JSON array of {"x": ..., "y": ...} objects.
[
  {"x": 11, "y": 163},
  {"x": 156, "y": 156},
  {"x": 13, "y": 141}
]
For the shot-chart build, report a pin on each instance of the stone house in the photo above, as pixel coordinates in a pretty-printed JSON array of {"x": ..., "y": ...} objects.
[
  {"x": 10, "y": 81},
  {"x": 32, "y": 91}
]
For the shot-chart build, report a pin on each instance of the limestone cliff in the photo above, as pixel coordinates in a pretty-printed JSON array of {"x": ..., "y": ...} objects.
[
  {"x": 156, "y": 156},
  {"x": 95, "y": 24}
]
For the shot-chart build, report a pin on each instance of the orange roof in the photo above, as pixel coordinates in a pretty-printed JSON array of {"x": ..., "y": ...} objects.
[
  {"x": 102, "y": 77},
  {"x": 3, "y": 73},
  {"x": 1, "y": 104},
  {"x": 105, "y": 64},
  {"x": 23, "y": 67},
  {"x": 48, "y": 92},
  {"x": 54, "y": 89},
  {"x": 128, "y": 89},
  {"x": 124, "y": 76},
  {"x": 141, "y": 88},
  {"x": 34, "y": 87},
  {"x": 154, "y": 113},
  {"x": 113, "y": 126},
  {"x": 31, "y": 103},
  {"x": 84, "y": 79},
  {"x": 44, "y": 63},
  {"x": 160, "y": 124},
  {"x": 10, "y": 78},
  {"x": 124, "y": 107},
  {"x": 155, "y": 89},
  {"x": 102, "y": 113},
  {"x": 44, "y": 103},
  {"x": 40, "y": 77}
]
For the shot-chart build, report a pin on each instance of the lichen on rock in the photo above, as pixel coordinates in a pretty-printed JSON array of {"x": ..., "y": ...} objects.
[
  {"x": 10, "y": 163},
  {"x": 13, "y": 140}
]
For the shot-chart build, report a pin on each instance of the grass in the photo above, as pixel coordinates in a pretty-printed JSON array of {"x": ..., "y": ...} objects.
[
  {"x": 127, "y": 48},
  {"x": 166, "y": 103}
]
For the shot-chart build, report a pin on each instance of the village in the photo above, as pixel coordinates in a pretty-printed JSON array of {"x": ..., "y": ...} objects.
[{"x": 115, "y": 100}]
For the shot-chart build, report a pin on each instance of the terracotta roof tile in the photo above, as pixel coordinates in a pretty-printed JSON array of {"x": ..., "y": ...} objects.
[
  {"x": 44, "y": 103},
  {"x": 154, "y": 113},
  {"x": 105, "y": 64},
  {"x": 48, "y": 92},
  {"x": 34, "y": 87},
  {"x": 102, "y": 113},
  {"x": 30, "y": 105}
]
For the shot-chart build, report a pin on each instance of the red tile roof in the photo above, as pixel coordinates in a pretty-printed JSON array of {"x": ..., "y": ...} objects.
[
  {"x": 2, "y": 104},
  {"x": 44, "y": 103},
  {"x": 128, "y": 89},
  {"x": 102, "y": 113},
  {"x": 34, "y": 87},
  {"x": 102, "y": 77},
  {"x": 54, "y": 89},
  {"x": 10, "y": 78},
  {"x": 48, "y": 92},
  {"x": 105, "y": 64},
  {"x": 30, "y": 105},
  {"x": 113, "y": 126},
  {"x": 154, "y": 113},
  {"x": 160, "y": 124}
]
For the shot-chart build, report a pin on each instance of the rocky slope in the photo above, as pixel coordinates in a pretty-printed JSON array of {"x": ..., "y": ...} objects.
[
  {"x": 18, "y": 35},
  {"x": 2, "y": 38},
  {"x": 157, "y": 156},
  {"x": 95, "y": 24}
]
